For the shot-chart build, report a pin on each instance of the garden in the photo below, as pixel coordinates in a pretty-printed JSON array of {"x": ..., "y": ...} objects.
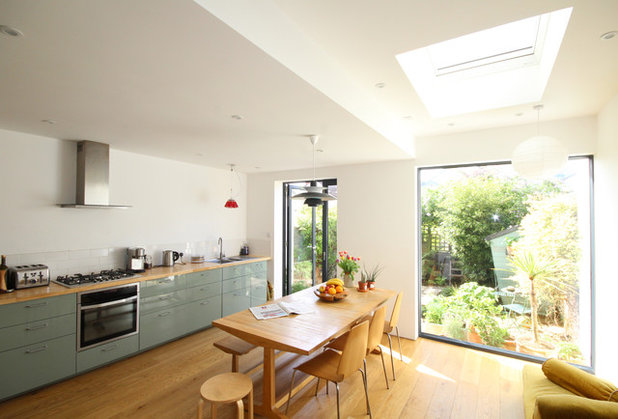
[{"x": 502, "y": 262}]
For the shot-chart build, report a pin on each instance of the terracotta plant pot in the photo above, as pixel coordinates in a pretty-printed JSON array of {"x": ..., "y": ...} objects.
[
  {"x": 371, "y": 285},
  {"x": 527, "y": 345},
  {"x": 362, "y": 286},
  {"x": 510, "y": 345},
  {"x": 473, "y": 336}
]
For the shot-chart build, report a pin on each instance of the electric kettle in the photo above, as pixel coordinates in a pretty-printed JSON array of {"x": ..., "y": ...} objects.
[{"x": 170, "y": 257}]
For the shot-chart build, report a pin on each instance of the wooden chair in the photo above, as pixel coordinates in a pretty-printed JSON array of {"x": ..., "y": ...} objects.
[
  {"x": 226, "y": 388},
  {"x": 392, "y": 324},
  {"x": 236, "y": 347},
  {"x": 334, "y": 366},
  {"x": 376, "y": 326}
]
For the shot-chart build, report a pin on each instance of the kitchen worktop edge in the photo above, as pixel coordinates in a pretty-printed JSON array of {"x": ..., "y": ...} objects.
[{"x": 158, "y": 272}]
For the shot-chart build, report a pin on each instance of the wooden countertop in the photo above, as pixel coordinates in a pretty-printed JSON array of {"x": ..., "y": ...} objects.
[{"x": 158, "y": 272}]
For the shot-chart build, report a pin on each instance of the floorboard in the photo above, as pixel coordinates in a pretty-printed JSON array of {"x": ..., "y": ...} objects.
[{"x": 435, "y": 380}]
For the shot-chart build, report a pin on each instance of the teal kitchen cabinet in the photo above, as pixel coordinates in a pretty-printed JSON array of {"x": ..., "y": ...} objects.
[
  {"x": 104, "y": 354},
  {"x": 204, "y": 299},
  {"x": 259, "y": 287},
  {"x": 38, "y": 343}
]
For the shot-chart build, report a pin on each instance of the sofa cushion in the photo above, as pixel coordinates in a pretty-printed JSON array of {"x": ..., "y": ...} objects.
[
  {"x": 577, "y": 381},
  {"x": 562, "y": 406},
  {"x": 535, "y": 385}
]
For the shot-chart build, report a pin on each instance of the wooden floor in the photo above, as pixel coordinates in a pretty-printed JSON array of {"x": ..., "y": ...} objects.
[{"x": 436, "y": 380}]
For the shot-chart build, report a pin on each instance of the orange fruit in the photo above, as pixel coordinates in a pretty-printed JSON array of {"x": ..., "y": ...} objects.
[
  {"x": 332, "y": 291},
  {"x": 339, "y": 288}
]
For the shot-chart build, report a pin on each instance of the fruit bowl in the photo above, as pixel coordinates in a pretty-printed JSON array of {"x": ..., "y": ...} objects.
[{"x": 324, "y": 296}]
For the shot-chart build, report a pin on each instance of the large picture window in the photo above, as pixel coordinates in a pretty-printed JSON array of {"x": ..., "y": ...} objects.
[{"x": 506, "y": 261}]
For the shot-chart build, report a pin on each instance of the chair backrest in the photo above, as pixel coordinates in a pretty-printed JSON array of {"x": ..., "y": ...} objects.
[
  {"x": 354, "y": 350},
  {"x": 376, "y": 328},
  {"x": 395, "y": 314}
]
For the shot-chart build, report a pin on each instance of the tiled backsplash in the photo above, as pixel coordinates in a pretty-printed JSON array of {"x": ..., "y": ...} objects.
[{"x": 66, "y": 262}]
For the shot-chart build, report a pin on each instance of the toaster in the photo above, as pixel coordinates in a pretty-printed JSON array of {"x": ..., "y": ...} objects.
[{"x": 28, "y": 276}]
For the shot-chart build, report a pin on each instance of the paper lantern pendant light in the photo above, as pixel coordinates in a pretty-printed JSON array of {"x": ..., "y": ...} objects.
[{"x": 540, "y": 156}]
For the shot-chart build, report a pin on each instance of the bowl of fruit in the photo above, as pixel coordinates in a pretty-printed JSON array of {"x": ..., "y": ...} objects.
[{"x": 332, "y": 290}]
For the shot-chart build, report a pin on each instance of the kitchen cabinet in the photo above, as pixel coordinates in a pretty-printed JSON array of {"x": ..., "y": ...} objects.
[
  {"x": 38, "y": 343},
  {"x": 106, "y": 353},
  {"x": 161, "y": 326},
  {"x": 204, "y": 299},
  {"x": 259, "y": 283}
]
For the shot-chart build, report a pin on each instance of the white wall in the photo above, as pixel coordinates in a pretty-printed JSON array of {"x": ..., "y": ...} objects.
[
  {"x": 375, "y": 221},
  {"x": 377, "y": 202},
  {"x": 606, "y": 230},
  {"x": 173, "y": 203}
]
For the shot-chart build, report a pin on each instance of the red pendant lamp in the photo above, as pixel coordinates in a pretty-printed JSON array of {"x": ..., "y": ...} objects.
[{"x": 231, "y": 203}]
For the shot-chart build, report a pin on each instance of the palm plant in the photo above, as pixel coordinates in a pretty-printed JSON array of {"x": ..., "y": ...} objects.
[{"x": 534, "y": 268}]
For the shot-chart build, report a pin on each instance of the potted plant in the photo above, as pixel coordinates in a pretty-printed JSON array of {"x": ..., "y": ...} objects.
[
  {"x": 349, "y": 265},
  {"x": 434, "y": 313},
  {"x": 371, "y": 275},
  {"x": 362, "y": 284}
]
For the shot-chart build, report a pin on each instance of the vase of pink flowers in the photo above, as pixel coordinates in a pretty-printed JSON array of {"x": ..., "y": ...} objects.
[{"x": 349, "y": 265}]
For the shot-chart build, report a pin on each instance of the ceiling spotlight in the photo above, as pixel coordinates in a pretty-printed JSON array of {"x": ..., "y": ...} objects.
[
  {"x": 237, "y": 117},
  {"x": 7, "y": 30},
  {"x": 380, "y": 85},
  {"x": 48, "y": 121},
  {"x": 609, "y": 35}
]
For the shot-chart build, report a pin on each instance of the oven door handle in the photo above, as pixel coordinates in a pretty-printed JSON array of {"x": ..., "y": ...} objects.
[{"x": 110, "y": 303}]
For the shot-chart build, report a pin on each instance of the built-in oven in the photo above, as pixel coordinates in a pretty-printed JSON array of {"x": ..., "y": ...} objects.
[{"x": 107, "y": 314}]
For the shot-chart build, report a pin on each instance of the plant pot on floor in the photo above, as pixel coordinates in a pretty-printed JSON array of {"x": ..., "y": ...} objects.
[
  {"x": 527, "y": 345},
  {"x": 473, "y": 336}
]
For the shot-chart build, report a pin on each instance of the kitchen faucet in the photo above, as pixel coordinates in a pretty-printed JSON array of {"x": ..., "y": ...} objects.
[{"x": 220, "y": 244}]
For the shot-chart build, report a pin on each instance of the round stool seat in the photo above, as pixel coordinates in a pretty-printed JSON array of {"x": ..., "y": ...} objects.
[{"x": 227, "y": 388}]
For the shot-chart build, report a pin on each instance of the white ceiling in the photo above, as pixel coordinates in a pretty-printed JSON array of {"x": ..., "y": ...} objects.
[{"x": 164, "y": 77}]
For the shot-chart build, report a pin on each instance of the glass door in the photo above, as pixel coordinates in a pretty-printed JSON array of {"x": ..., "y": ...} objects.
[{"x": 309, "y": 253}]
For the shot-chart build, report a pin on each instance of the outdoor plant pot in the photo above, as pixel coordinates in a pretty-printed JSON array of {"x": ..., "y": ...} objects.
[
  {"x": 527, "y": 345},
  {"x": 510, "y": 344},
  {"x": 473, "y": 336},
  {"x": 433, "y": 328}
]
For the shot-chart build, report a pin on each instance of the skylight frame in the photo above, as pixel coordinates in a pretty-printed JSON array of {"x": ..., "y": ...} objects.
[{"x": 488, "y": 82}]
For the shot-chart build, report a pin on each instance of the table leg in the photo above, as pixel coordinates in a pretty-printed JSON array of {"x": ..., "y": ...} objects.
[{"x": 268, "y": 408}]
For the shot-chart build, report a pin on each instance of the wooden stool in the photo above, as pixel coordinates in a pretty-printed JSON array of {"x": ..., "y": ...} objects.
[
  {"x": 226, "y": 388},
  {"x": 236, "y": 347}
]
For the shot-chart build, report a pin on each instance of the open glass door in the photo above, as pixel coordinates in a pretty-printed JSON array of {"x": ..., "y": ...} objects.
[{"x": 309, "y": 254}]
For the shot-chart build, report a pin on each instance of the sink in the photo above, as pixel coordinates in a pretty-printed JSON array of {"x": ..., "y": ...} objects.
[
  {"x": 222, "y": 260},
  {"x": 239, "y": 258}
]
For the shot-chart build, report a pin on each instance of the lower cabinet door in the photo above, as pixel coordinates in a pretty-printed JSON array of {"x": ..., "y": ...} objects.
[
  {"x": 201, "y": 313},
  {"x": 35, "y": 365},
  {"x": 235, "y": 301},
  {"x": 162, "y": 326},
  {"x": 103, "y": 354}
]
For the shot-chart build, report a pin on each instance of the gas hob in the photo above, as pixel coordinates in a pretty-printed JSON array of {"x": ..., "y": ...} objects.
[{"x": 78, "y": 280}]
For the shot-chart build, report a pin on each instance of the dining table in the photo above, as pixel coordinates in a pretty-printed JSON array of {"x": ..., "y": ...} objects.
[{"x": 302, "y": 334}]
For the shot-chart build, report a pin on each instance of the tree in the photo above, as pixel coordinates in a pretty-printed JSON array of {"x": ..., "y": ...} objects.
[
  {"x": 535, "y": 268},
  {"x": 303, "y": 246},
  {"x": 466, "y": 211},
  {"x": 550, "y": 232}
]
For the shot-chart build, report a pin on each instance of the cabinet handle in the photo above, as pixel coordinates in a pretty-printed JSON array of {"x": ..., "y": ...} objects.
[
  {"x": 36, "y": 305},
  {"x": 165, "y": 297},
  {"x": 165, "y": 281},
  {"x": 109, "y": 348},
  {"x": 167, "y": 313},
  {"x": 37, "y": 327},
  {"x": 204, "y": 303},
  {"x": 39, "y": 349}
]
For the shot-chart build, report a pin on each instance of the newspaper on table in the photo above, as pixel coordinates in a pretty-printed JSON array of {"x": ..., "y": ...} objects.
[{"x": 280, "y": 309}]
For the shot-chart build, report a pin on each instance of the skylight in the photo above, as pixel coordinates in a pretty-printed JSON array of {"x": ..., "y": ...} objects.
[{"x": 503, "y": 66}]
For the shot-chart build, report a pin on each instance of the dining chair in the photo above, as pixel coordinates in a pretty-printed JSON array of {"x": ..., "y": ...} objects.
[
  {"x": 334, "y": 366},
  {"x": 376, "y": 326},
  {"x": 388, "y": 329}
]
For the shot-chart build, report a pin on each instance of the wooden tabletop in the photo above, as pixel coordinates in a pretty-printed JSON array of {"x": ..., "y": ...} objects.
[{"x": 305, "y": 333}]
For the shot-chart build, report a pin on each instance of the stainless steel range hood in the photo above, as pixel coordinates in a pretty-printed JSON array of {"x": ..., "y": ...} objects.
[{"x": 92, "y": 183}]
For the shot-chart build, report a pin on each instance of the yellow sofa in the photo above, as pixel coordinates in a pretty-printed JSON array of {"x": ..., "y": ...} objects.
[{"x": 547, "y": 400}]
